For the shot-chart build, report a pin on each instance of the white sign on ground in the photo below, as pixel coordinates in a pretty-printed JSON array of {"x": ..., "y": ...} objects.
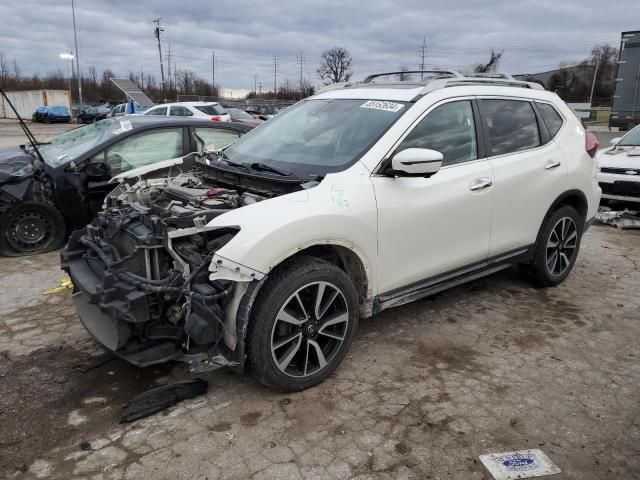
[{"x": 518, "y": 464}]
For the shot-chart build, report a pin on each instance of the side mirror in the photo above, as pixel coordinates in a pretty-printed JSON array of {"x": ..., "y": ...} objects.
[
  {"x": 98, "y": 170},
  {"x": 614, "y": 141},
  {"x": 416, "y": 162}
]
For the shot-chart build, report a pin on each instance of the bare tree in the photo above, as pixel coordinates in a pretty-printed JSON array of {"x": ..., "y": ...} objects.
[
  {"x": 4, "y": 68},
  {"x": 93, "y": 75},
  {"x": 603, "y": 64},
  {"x": 17, "y": 73},
  {"x": 491, "y": 65},
  {"x": 335, "y": 66},
  {"x": 403, "y": 76}
]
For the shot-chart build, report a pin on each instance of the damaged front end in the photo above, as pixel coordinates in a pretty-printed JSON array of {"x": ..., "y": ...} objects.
[{"x": 149, "y": 285}]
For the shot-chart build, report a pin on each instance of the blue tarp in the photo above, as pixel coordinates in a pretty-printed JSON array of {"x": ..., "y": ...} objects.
[{"x": 57, "y": 110}]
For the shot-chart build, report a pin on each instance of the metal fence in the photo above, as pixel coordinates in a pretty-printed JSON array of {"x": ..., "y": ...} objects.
[{"x": 236, "y": 103}]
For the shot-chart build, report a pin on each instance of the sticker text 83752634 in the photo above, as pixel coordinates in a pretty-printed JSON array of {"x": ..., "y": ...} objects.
[{"x": 382, "y": 105}]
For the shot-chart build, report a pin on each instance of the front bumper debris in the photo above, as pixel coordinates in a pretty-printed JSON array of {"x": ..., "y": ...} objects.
[{"x": 133, "y": 301}]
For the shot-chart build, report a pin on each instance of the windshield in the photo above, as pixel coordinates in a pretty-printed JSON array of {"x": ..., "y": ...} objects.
[
  {"x": 316, "y": 137},
  {"x": 239, "y": 114},
  {"x": 72, "y": 144},
  {"x": 631, "y": 139}
]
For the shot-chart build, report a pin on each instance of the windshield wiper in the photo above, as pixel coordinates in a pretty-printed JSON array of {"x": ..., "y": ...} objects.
[
  {"x": 268, "y": 168},
  {"x": 228, "y": 161}
]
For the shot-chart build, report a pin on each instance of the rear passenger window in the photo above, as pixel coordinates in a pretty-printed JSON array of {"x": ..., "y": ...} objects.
[
  {"x": 512, "y": 125},
  {"x": 551, "y": 117},
  {"x": 450, "y": 130}
]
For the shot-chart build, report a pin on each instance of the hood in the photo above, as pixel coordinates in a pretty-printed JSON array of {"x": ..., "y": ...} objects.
[
  {"x": 143, "y": 171},
  {"x": 13, "y": 162},
  {"x": 620, "y": 157}
]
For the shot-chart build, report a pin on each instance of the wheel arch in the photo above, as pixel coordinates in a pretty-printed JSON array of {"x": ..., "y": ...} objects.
[
  {"x": 347, "y": 259},
  {"x": 341, "y": 254},
  {"x": 573, "y": 198}
]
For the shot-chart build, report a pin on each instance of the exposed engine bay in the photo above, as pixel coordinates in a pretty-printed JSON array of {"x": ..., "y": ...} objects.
[{"x": 141, "y": 268}]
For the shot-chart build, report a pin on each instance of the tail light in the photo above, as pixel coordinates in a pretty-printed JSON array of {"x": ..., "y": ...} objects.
[
  {"x": 591, "y": 144},
  {"x": 216, "y": 119}
]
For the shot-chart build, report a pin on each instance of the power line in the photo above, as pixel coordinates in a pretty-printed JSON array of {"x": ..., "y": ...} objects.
[
  {"x": 169, "y": 65},
  {"x": 75, "y": 39},
  {"x": 423, "y": 53},
  {"x": 275, "y": 73},
  {"x": 301, "y": 61},
  {"x": 157, "y": 30}
]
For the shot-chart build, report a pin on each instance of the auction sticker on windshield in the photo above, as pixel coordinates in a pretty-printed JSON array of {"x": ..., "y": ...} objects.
[
  {"x": 382, "y": 105},
  {"x": 125, "y": 125},
  {"x": 519, "y": 464}
]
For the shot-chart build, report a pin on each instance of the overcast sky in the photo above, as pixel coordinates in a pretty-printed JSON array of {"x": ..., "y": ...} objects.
[{"x": 381, "y": 35}]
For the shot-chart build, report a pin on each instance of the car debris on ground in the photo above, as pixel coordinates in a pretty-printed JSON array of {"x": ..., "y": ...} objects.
[
  {"x": 621, "y": 219},
  {"x": 161, "y": 398}
]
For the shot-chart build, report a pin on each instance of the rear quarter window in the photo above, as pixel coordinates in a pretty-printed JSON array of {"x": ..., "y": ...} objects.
[
  {"x": 551, "y": 117},
  {"x": 212, "y": 109}
]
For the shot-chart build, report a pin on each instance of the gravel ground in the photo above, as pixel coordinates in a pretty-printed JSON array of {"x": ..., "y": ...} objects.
[
  {"x": 488, "y": 367},
  {"x": 491, "y": 366}
]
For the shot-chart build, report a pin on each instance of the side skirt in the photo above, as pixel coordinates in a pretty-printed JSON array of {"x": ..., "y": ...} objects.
[{"x": 453, "y": 278}]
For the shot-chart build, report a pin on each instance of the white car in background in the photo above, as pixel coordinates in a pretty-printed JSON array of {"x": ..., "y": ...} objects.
[
  {"x": 619, "y": 168},
  {"x": 211, "y": 110}
]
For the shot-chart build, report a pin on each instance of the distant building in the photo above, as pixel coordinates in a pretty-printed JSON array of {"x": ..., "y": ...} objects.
[{"x": 551, "y": 78}]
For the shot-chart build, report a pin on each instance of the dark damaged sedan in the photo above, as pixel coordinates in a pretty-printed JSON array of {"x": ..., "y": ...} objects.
[{"x": 41, "y": 202}]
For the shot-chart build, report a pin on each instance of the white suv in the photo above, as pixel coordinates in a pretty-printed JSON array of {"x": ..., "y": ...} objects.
[
  {"x": 363, "y": 197},
  {"x": 209, "y": 110}
]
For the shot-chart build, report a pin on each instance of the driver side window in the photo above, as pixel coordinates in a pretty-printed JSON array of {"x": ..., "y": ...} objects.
[
  {"x": 448, "y": 129},
  {"x": 145, "y": 149}
]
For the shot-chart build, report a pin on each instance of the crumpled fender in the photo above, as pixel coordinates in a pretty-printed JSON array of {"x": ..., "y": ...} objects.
[{"x": 341, "y": 210}]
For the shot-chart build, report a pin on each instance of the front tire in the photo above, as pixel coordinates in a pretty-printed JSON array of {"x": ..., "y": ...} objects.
[
  {"x": 557, "y": 247},
  {"x": 302, "y": 325},
  {"x": 30, "y": 228}
]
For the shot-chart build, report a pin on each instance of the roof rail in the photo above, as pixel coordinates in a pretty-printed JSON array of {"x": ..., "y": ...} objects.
[
  {"x": 504, "y": 76},
  {"x": 446, "y": 73},
  {"x": 458, "y": 82},
  {"x": 442, "y": 79}
]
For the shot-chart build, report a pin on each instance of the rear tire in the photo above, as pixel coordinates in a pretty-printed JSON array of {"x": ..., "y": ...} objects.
[
  {"x": 557, "y": 247},
  {"x": 302, "y": 324},
  {"x": 30, "y": 228}
]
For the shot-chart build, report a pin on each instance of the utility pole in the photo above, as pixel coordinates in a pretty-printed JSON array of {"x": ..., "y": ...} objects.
[
  {"x": 301, "y": 61},
  {"x": 260, "y": 86},
  {"x": 169, "y": 66},
  {"x": 213, "y": 66},
  {"x": 423, "y": 53},
  {"x": 275, "y": 73},
  {"x": 141, "y": 78},
  {"x": 75, "y": 38},
  {"x": 175, "y": 78},
  {"x": 255, "y": 81},
  {"x": 157, "y": 30},
  {"x": 593, "y": 83}
]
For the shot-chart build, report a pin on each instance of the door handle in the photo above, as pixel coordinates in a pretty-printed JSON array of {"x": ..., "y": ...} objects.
[
  {"x": 552, "y": 164},
  {"x": 480, "y": 183}
]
